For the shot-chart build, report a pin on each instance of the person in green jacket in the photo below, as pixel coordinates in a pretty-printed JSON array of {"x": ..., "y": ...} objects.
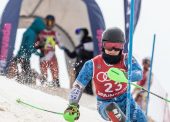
[{"x": 27, "y": 49}]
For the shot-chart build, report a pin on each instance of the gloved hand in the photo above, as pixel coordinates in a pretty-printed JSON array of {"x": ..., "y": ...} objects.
[
  {"x": 41, "y": 55},
  {"x": 42, "y": 44},
  {"x": 72, "y": 113}
]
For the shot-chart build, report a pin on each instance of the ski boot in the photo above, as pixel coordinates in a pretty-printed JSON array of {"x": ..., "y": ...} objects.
[{"x": 43, "y": 80}]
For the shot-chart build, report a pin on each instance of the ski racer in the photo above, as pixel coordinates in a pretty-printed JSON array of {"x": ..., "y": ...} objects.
[{"x": 111, "y": 96}]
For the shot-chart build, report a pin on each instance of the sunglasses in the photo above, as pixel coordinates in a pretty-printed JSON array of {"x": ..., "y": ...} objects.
[{"x": 113, "y": 46}]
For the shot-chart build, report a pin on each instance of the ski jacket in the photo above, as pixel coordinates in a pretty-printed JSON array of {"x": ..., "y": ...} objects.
[
  {"x": 88, "y": 72},
  {"x": 29, "y": 38},
  {"x": 81, "y": 54},
  {"x": 145, "y": 79}
]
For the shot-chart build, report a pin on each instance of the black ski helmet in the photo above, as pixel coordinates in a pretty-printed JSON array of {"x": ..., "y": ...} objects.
[
  {"x": 113, "y": 35},
  {"x": 116, "y": 37},
  {"x": 85, "y": 31}
]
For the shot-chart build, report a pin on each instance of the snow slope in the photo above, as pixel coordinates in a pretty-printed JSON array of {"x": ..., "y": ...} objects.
[{"x": 11, "y": 111}]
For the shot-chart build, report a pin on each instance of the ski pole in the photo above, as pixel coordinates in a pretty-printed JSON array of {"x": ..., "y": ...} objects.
[
  {"x": 67, "y": 116},
  {"x": 150, "y": 73},
  {"x": 118, "y": 76},
  {"x": 137, "y": 86},
  {"x": 131, "y": 29},
  {"x": 22, "y": 102}
]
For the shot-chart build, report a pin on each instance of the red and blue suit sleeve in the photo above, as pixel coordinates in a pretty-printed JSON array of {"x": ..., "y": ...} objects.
[{"x": 85, "y": 74}]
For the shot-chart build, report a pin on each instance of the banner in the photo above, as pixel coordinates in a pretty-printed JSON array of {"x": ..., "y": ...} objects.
[
  {"x": 8, "y": 28},
  {"x": 97, "y": 24},
  {"x": 137, "y": 6}
]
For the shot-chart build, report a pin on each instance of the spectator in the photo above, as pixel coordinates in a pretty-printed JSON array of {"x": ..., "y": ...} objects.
[
  {"x": 146, "y": 70},
  {"x": 46, "y": 43},
  {"x": 27, "y": 49},
  {"x": 143, "y": 82},
  {"x": 82, "y": 53}
]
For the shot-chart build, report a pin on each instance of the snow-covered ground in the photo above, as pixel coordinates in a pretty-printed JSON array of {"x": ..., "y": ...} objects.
[{"x": 11, "y": 111}]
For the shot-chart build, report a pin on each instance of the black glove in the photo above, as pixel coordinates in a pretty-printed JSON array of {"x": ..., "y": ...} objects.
[
  {"x": 41, "y": 55},
  {"x": 72, "y": 113},
  {"x": 42, "y": 44}
]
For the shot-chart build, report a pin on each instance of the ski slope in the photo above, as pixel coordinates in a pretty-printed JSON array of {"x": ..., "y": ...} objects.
[{"x": 11, "y": 111}]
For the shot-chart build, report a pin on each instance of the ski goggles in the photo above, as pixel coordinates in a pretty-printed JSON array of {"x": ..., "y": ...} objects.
[{"x": 113, "y": 46}]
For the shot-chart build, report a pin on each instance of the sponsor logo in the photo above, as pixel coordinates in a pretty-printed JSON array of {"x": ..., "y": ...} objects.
[
  {"x": 102, "y": 77},
  {"x": 105, "y": 95}
]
